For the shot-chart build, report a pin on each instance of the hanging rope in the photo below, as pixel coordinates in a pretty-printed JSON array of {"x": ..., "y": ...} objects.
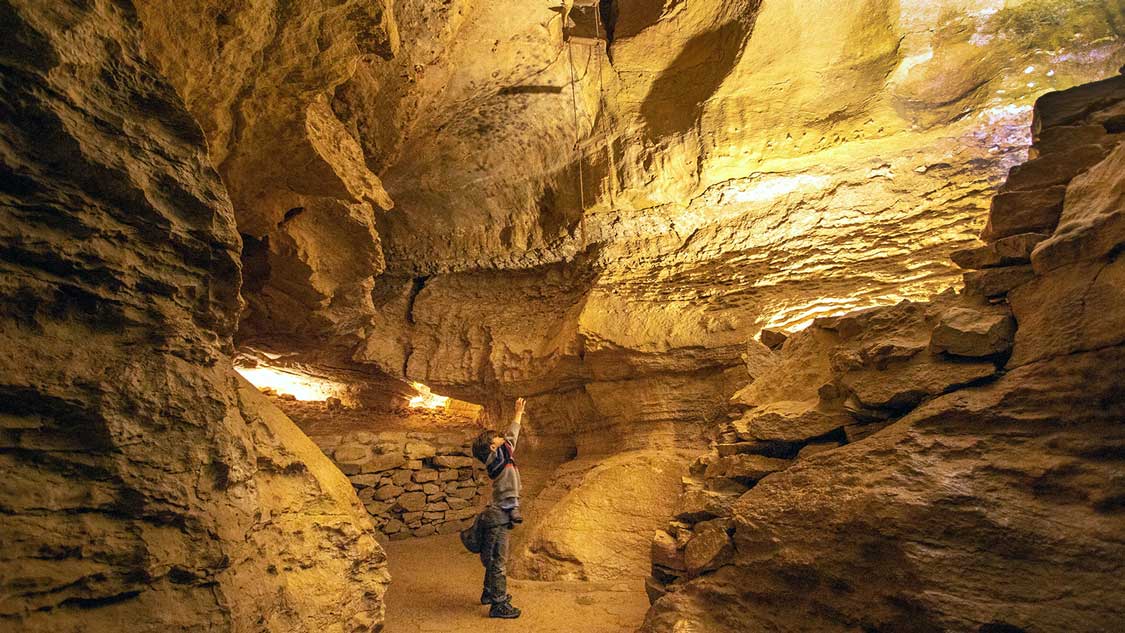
[
  {"x": 604, "y": 114},
  {"x": 577, "y": 145}
]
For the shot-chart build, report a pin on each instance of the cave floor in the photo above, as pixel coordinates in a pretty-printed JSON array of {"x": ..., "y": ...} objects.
[{"x": 436, "y": 588}]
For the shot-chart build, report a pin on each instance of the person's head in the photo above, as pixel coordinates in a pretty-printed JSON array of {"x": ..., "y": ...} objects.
[{"x": 485, "y": 443}]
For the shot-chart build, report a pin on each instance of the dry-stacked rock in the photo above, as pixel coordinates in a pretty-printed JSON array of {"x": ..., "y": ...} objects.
[{"x": 412, "y": 483}]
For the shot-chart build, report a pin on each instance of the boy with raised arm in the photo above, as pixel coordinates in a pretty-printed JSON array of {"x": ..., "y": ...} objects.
[{"x": 497, "y": 453}]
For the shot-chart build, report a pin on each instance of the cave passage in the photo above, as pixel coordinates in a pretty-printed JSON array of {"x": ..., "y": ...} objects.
[{"x": 817, "y": 310}]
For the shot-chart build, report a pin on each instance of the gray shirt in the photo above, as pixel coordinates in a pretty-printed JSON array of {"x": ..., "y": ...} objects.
[{"x": 506, "y": 486}]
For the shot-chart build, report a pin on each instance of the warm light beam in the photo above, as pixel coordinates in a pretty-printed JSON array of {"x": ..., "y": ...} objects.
[
  {"x": 427, "y": 399},
  {"x": 300, "y": 386}
]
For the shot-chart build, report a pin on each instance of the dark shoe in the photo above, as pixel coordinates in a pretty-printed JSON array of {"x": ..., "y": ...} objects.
[
  {"x": 515, "y": 516},
  {"x": 504, "y": 610},
  {"x": 484, "y": 599}
]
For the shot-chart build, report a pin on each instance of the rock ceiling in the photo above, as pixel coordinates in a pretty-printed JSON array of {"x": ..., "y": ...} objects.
[{"x": 407, "y": 181}]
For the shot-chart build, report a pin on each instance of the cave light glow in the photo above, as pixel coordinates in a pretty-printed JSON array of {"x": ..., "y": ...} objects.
[
  {"x": 427, "y": 399},
  {"x": 300, "y": 386}
]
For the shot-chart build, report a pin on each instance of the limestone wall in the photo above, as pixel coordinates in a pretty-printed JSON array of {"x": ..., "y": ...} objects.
[
  {"x": 951, "y": 465},
  {"x": 145, "y": 487}
]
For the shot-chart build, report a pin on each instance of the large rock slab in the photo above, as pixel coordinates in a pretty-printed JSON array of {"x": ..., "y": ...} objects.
[
  {"x": 973, "y": 332},
  {"x": 995, "y": 282},
  {"x": 1070, "y": 106},
  {"x": 1006, "y": 251},
  {"x": 1072, "y": 308},
  {"x": 602, "y": 528},
  {"x": 1031, "y": 211},
  {"x": 1092, "y": 224},
  {"x": 789, "y": 422}
]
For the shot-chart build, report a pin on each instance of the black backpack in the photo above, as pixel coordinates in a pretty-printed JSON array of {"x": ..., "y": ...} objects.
[{"x": 472, "y": 537}]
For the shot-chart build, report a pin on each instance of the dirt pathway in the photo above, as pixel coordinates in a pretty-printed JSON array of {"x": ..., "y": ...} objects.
[{"x": 436, "y": 589}]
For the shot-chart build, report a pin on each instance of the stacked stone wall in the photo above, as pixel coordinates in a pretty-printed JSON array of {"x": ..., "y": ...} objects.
[{"x": 412, "y": 483}]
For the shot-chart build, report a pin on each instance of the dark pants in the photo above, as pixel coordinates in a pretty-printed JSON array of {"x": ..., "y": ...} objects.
[{"x": 494, "y": 555}]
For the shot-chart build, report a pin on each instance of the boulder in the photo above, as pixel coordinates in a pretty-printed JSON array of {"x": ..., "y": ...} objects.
[
  {"x": 709, "y": 548},
  {"x": 1006, "y": 251},
  {"x": 1070, "y": 106},
  {"x": 667, "y": 552},
  {"x": 973, "y": 332},
  {"x": 601, "y": 528},
  {"x": 1015, "y": 212},
  {"x": 1076, "y": 307},
  {"x": 1056, "y": 168},
  {"x": 772, "y": 339},
  {"x": 902, "y": 386},
  {"x": 789, "y": 422},
  {"x": 654, "y": 589},
  {"x": 744, "y": 469},
  {"x": 1093, "y": 220},
  {"x": 815, "y": 448},
  {"x": 796, "y": 374},
  {"x": 994, "y": 282}
]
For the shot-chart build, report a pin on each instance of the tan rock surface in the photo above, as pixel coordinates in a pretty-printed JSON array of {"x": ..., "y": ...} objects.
[
  {"x": 602, "y": 528},
  {"x": 973, "y": 332},
  {"x": 909, "y": 528},
  {"x": 1092, "y": 224},
  {"x": 144, "y": 483},
  {"x": 1007, "y": 489}
]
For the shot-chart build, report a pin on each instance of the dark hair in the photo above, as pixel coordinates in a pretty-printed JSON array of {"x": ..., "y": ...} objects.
[{"x": 482, "y": 446}]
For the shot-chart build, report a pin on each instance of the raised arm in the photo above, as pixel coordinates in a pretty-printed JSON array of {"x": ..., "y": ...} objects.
[{"x": 517, "y": 420}]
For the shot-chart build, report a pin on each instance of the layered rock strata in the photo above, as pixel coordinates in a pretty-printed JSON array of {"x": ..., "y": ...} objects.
[
  {"x": 145, "y": 485},
  {"x": 908, "y": 489}
]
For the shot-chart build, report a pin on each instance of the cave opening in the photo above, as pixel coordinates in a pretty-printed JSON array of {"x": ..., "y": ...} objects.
[{"x": 819, "y": 309}]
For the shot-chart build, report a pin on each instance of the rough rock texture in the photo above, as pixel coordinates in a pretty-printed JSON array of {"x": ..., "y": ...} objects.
[
  {"x": 450, "y": 193},
  {"x": 995, "y": 506},
  {"x": 144, "y": 484},
  {"x": 412, "y": 483},
  {"x": 601, "y": 526}
]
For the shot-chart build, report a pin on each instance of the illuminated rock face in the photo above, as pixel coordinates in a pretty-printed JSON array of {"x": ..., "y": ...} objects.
[
  {"x": 145, "y": 487},
  {"x": 444, "y": 193},
  {"x": 892, "y": 515},
  {"x": 739, "y": 164}
]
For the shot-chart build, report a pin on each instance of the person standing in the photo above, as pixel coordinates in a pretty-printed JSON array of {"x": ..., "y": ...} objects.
[{"x": 497, "y": 453}]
